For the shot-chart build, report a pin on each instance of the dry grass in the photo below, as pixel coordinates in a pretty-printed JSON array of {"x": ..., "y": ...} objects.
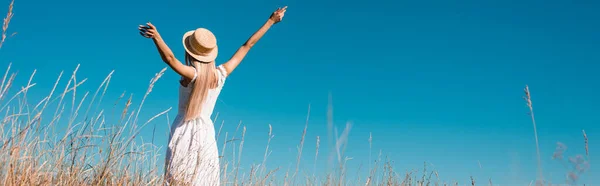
[
  {"x": 6, "y": 22},
  {"x": 537, "y": 146},
  {"x": 92, "y": 150},
  {"x": 102, "y": 147}
]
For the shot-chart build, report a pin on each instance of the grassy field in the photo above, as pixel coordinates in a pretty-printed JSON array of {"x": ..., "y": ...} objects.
[{"x": 94, "y": 150}]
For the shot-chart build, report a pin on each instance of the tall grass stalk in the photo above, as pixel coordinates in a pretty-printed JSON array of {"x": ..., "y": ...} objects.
[{"x": 537, "y": 145}]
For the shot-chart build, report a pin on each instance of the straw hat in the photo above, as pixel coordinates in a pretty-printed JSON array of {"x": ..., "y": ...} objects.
[{"x": 201, "y": 44}]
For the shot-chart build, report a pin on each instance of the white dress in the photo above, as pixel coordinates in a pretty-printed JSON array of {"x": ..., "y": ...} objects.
[{"x": 192, "y": 155}]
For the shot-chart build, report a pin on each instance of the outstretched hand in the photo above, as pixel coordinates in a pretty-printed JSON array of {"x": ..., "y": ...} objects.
[
  {"x": 148, "y": 30},
  {"x": 277, "y": 16}
]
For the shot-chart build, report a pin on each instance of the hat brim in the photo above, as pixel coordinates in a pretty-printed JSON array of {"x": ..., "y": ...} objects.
[{"x": 210, "y": 57}]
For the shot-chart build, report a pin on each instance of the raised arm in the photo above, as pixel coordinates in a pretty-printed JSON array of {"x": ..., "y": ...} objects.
[
  {"x": 243, "y": 50},
  {"x": 149, "y": 31}
]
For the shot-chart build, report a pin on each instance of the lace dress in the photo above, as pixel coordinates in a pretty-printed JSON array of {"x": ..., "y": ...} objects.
[{"x": 192, "y": 155}]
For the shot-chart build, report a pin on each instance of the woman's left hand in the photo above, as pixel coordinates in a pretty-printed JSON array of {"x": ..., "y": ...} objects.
[{"x": 148, "y": 30}]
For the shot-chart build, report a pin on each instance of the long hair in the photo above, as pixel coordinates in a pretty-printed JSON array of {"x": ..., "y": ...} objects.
[{"x": 206, "y": 79}]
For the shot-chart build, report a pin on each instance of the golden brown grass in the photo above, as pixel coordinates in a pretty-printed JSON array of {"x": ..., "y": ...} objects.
[
  {"x": 90, "y": 151},
  {"x": 93, "y": 149},
  {"x": 37, "y": 149}
]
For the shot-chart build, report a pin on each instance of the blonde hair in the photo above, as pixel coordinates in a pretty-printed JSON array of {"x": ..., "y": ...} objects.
[{"x": 206, "y": 79}]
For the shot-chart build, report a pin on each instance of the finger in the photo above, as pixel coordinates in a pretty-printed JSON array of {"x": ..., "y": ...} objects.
[
  {"x": 150, "y": 25},
  {"x": 151, "y": 31},
  {"x": 144, "y": 31},
  {"x": 147, "y": 32},
  {"x": 144, "y": 35}
]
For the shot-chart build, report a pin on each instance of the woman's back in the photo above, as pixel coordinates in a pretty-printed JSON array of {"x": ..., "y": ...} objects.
[{"x": 211, "y": 98}]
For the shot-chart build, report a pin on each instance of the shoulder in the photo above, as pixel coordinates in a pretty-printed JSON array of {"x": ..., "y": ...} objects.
[
  {"x": 221, "y": 74},
  {"x": 222, "y": 71}
]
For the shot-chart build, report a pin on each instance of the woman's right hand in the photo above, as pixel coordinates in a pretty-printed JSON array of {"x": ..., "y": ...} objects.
[
  {"x": 148, "y": 30},
  {"x": 277, "y": 16}
]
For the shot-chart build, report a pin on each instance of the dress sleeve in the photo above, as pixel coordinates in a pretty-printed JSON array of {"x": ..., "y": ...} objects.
[
  {"x": 195, "y": 74},
  {"x": 222, "y": 74}
]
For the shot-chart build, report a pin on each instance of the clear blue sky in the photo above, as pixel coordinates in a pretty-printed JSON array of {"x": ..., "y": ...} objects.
[{"x": 437, "y": 81}]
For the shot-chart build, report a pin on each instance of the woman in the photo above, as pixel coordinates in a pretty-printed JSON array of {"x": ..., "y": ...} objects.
[{"x": 192, "y": 157}]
